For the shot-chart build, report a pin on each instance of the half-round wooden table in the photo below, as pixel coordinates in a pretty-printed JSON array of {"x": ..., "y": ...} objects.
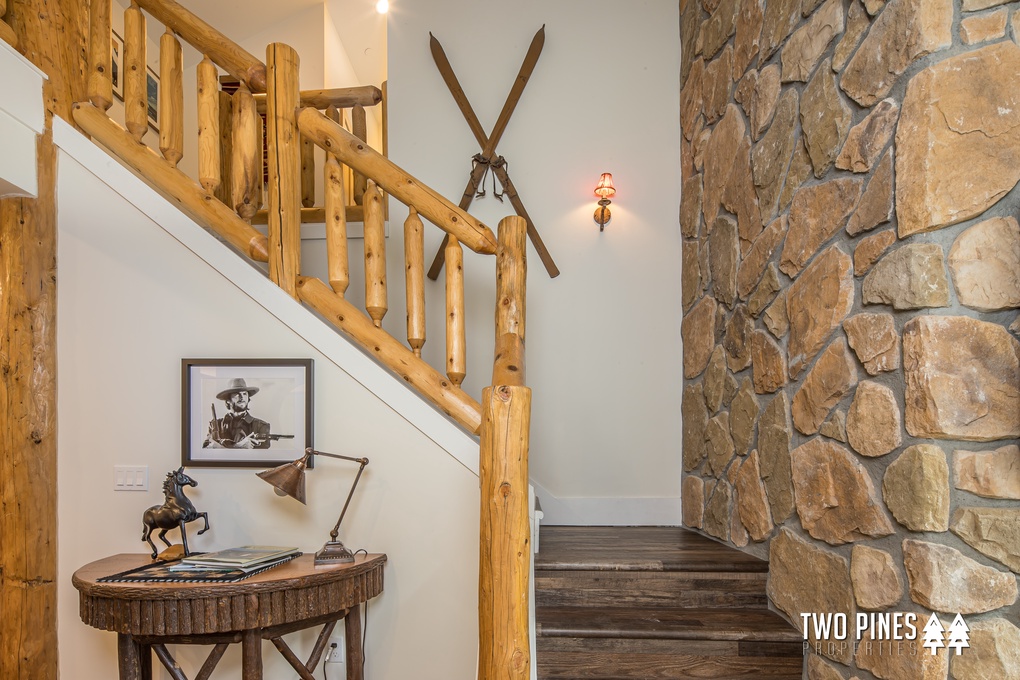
[{"x": 289, "y": 597}]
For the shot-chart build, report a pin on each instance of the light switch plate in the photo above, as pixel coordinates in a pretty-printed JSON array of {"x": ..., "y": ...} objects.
[{"x": 131, "y": 477}]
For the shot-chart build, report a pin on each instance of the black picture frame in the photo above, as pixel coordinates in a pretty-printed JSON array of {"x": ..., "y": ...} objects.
[
  {"x": 117, "y": 64},
  {"x": 280, "y": 392}
]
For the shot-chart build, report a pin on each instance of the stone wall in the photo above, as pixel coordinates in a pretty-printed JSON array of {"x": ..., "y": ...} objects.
[{"x": 851, "y": 281}]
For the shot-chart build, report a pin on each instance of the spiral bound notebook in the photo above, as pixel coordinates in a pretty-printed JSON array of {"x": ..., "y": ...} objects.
[{"x": 160, "y": 572}]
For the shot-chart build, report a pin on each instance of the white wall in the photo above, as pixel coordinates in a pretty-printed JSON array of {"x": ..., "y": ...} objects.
[
  {"x": 132, "y": 302},
  {"x": 603, "y": 337}
]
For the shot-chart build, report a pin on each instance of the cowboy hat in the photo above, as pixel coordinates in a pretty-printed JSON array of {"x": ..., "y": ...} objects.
[{"x": 236, "y": 385}]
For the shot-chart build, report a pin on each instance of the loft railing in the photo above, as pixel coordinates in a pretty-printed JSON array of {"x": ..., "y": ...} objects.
[{"x": 228, "y": 195}]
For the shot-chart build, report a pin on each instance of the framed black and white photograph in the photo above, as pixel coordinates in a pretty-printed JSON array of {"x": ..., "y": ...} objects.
[
  {"x": 245, "y": 412},
  {"x": 117, "y": 64},
  {"x": 152, "y": 96}
]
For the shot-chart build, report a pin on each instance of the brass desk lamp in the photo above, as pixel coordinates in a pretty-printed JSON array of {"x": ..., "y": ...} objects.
[{"x": 289, "y": 480}]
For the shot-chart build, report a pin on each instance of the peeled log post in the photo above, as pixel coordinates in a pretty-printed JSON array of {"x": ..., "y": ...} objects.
[
  {"x": 456, "y": 349},
  {"x": 307, "y": 172},
  {"x": 247, "y": 149},
  {"x": 136, "y": 98},
  {"x": 100, "y": 83},
  {"x": 226, "y": 112},
  {"x": 171, "y": 98},
  {"x": 359, "y": 126},
  {"x": 207, "y": 40},
  {"x": 450, "y": 399},
  {"x": 375, "y": 254},
  {"x": 505, "y": 535},
  {"x": 282, "y": 64},
  {"x": 414, "y": 261},
  {"x": 208, "y": 126},
  {"x": 337, "y": 263},
  {"x": 171, "y": 183},
  {"x": 402, "y": 186},
  {"x": 511, "y": 276}
]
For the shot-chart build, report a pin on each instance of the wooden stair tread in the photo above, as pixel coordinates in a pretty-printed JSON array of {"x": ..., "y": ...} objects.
[
  {"x": 638, "y": 549},
  {"x": 665, "y": 623}
]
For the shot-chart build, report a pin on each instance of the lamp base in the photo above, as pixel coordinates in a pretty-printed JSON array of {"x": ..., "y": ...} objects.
[{"x": 334, "y": 552}]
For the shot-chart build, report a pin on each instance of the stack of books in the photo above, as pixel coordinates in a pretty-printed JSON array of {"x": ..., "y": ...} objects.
[{"x": 246, "y": 559}]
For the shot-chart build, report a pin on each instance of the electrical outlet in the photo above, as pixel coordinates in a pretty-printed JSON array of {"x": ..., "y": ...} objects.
[{"x": 335, "y": 654}]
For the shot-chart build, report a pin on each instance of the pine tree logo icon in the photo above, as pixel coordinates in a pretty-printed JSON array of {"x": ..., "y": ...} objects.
[
  {"x": 959, "y": 634},
  {"x": 933, "y": 634}
]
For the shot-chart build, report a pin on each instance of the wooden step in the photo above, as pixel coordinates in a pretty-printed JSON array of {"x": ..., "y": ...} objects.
[
  {"x": 577, "y": 588},
  {"x": 617, "y": 603},
  {"x": 639, "y": 549},
  {"x": 630, "y": 659},
  {"x": 663, "y": 623}
]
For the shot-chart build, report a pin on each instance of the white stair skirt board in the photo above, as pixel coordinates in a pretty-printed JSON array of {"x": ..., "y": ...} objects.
[
  {"x": 606, "y": 511},
  {"x": 347, "y": 356}
]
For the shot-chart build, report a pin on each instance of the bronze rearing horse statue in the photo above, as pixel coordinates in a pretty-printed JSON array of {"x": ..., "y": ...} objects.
[{"x": 175, "y": 512}]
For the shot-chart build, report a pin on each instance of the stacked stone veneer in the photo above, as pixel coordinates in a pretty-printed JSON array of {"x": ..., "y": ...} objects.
[{"x": 851, "y": 280}]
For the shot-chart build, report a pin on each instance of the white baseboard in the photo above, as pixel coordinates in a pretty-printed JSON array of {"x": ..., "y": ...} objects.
[{"x": 660, "y": 511}]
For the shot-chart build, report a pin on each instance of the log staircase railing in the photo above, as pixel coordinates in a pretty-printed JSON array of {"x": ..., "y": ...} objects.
[{"x": 228, "y": 195}]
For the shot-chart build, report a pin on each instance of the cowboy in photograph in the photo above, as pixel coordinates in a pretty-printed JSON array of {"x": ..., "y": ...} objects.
[{"x": 237, "y": 429}]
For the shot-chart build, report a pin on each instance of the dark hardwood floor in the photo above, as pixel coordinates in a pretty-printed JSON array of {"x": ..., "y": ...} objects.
[{"x": 617, "y": 603}]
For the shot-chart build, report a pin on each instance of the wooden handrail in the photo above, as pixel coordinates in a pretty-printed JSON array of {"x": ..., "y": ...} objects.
[
  {"x": 207, "y": 40},
  {"x": 395, "y": 181},
  {"x": 340, "y": 97},
  {"x": 171, "y": 183},
  {"x": 392, "y": 354}
]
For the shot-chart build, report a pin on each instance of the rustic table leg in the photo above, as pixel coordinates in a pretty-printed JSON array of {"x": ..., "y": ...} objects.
[
  {"x": 145, "y": 661},
  {"x": 251, "y": 655},
  {"x": 129, "y": 657},
  {"x": 352, "y": 635}
]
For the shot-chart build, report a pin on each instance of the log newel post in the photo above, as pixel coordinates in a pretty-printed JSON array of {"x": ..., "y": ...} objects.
[
  {"x": 505, "y": 534},
  {"x": 284, "y": 198}
]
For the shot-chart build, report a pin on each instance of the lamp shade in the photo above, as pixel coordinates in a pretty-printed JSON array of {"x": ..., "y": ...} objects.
[
  {"x": 605, "y": 188},
  {"x": 288, "y": 479}
]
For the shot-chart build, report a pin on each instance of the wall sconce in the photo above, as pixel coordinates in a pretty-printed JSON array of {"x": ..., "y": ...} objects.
[
  {"x": 289, "y": 480},
  {"x": 604, "y": 189}
]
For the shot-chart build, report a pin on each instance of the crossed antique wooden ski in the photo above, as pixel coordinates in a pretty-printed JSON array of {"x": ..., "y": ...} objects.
[{"x": 485, "y": 160}]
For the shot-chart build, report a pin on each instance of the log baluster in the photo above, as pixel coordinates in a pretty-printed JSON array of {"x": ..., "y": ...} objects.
[
  {"x": 136, "y": 98},
  {"x": 375, "y": 254},
  {"x": 247, "y": 154},
  {"x": 171, "y": 98},
  {"x": 307, "y": 172},
  {"x": 284, "y": 144},
  {"x": 359, "y": 127},
  {"x": 100, "y": 87},
  {"x": 226, "y": 112},
  {"x": 505, "y": 536},
  {"x": 456, "y": 347},
  {"x": 337, "y": 264},
  {"x": 208, "y": 126},
  {"x": 414, "y": 260}
]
